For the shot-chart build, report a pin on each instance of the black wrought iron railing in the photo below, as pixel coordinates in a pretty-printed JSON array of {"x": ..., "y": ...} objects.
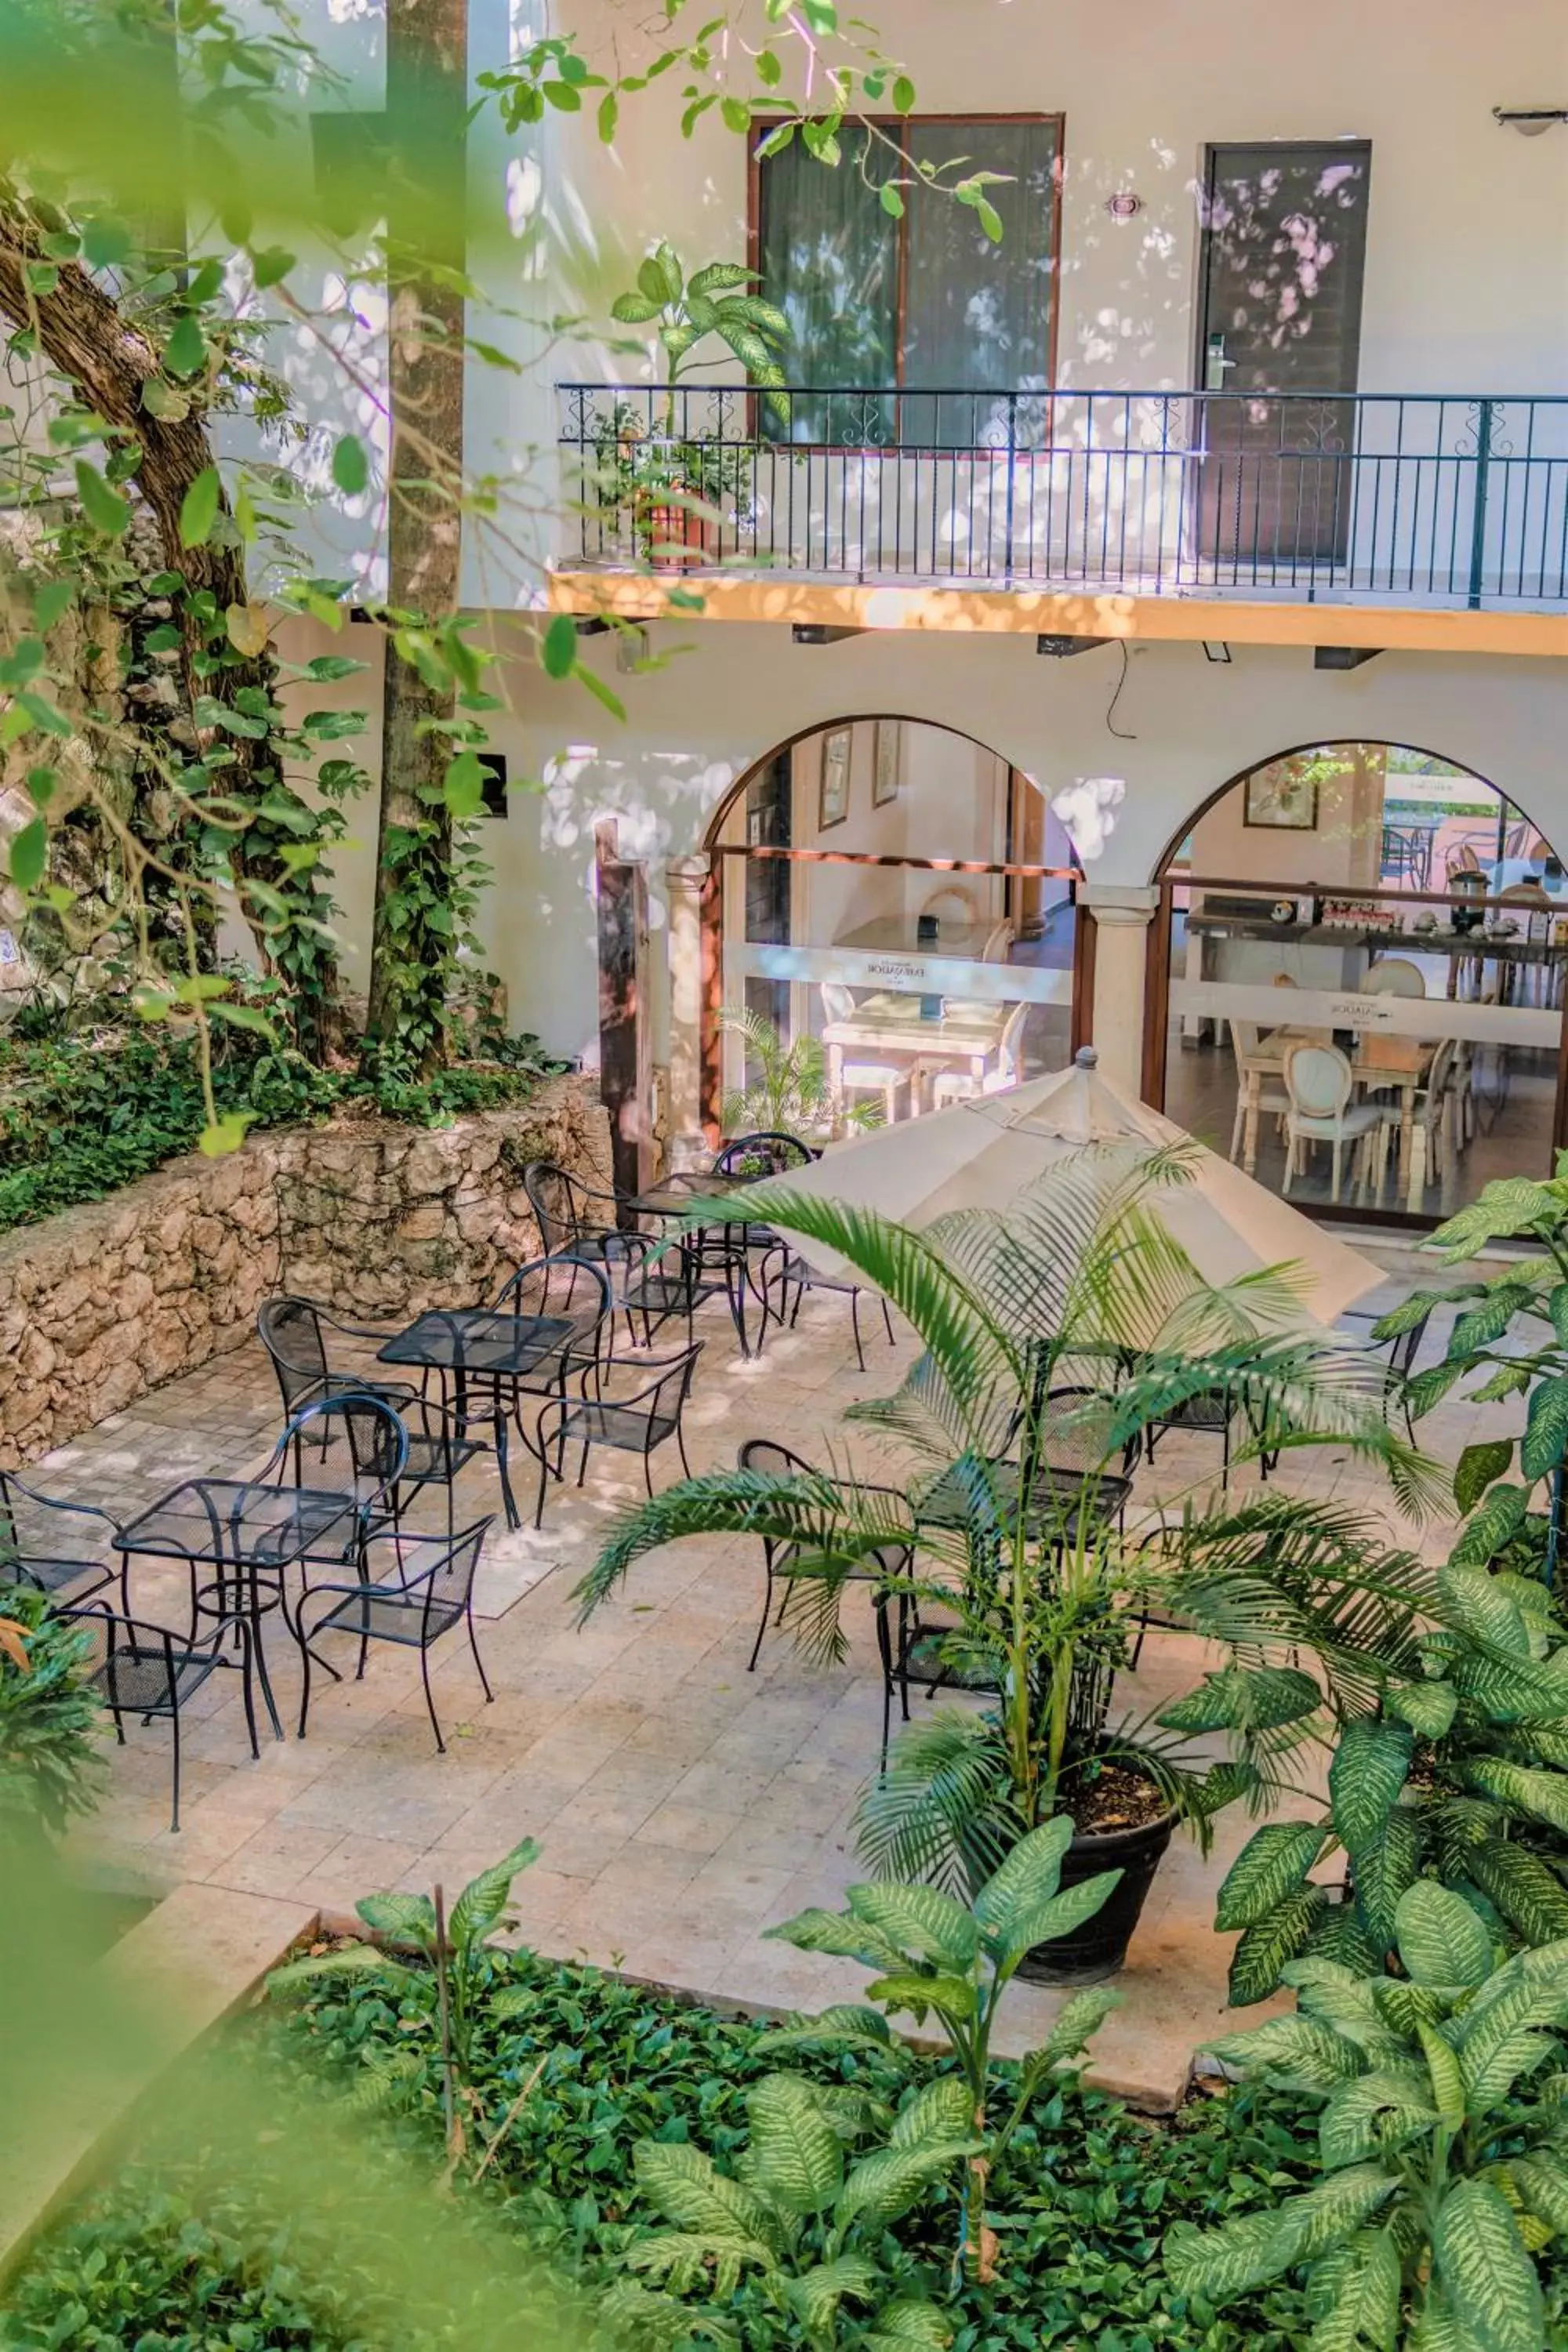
[{"x": 1437, "y": 499}]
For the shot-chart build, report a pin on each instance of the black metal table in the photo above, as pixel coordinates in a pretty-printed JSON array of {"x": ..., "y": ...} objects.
[
  {"x": 671, "y": 1202},
  {"x": 1055, "y": 1494},
  {"x": 480, "y": 1344},
  {"x": 246, "y": 1530}
]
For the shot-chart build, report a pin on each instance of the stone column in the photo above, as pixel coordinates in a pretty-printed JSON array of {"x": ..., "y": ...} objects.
[
  {"x": 1122, "y": 913},
  {"x": 687, "y": 1145}
]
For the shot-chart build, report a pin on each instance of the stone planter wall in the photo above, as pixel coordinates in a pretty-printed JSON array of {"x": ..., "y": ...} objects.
[{"x": 104, "y": 1302}]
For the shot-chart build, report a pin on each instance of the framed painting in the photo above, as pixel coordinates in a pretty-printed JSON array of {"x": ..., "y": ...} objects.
[
  {"x": 885, "y": 764},
  {"x": 1282, "y": 802},
  {"x": 833, "y": 799}
]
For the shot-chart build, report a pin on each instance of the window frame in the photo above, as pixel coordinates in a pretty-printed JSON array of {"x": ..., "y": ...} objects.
[{"x": 762, "y": 127}]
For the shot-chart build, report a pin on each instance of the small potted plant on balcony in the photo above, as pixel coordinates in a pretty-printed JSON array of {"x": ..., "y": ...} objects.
[
  {"x": 1058, "y": 1335},
  {"x": 680, "y": 487}
]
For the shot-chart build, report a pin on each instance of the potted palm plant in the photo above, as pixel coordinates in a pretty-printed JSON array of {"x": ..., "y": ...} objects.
[
  {"x": 1057, "y": 1337},
  {"x": 677, "y": 483},
  {"x": 786, "y": 1089}
]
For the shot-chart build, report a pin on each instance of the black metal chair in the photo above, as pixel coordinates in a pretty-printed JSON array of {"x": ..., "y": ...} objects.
[
  {"x": 747, "y": 1159},
  {"x": 586, "y": 1224},
  {"x": 293, "y": 1330},
  {"x": 1399, "y": 1362},
  {"x": 574, "y": 1290},
  {"x": 797, "y": 1274},
  {"x": 150, "y": 1671},
  {"x": 1212, "y": 1413},
  {"x": 771, "y": 1460},
  {"x": 640, "y": 1423},
  {"x": 425, "y": 1591},
  {"x": 398, "y": 1443},
  {"x": 52, "y": 1544}
]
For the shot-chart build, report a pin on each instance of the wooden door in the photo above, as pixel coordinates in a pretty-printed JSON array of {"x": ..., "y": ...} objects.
[{"x": 1283, "y": 257}]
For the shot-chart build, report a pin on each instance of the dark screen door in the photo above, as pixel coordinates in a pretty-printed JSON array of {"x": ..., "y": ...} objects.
[{"x": 1284, "y": 252}]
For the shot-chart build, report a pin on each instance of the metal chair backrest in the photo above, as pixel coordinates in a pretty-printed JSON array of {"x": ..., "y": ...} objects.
[
  {"x": 1085, "y": 1444},
  {"x": 376, "y": 1434},
  {"x": 449, "y": 1583},
  {"x": 35, "y": 1526},
  {"x": 1395, "y": 976},
  {"x": 560, "y": 1204},
  {"x": 771, "y": 1460},
  {"x": 665, "y": 1399},
  {"x": 1010, "y": 1046},
  {"x": 290, "y": 1331},
  {"x": 559, "y": 1284},
  {"x": 768, "y": 1153},
  {"x": 1317, "y": 1080},
  {"x": 139, "y": 1672},
  {"x": 837, "y": 1002},
  {"x": 1407, "y": 1346}
]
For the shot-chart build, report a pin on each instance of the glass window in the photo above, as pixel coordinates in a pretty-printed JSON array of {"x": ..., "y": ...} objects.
[{"x": 926, "y": 300}]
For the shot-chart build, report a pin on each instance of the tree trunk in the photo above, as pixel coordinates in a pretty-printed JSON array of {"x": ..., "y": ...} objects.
[
  {"x": 427, "y": 99},
  {"x": 108, "y": 360}
]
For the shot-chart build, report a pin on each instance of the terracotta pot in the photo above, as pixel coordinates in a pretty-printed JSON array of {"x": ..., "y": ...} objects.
[
  {"x": 678, "y": 540},
  {"x": 1099, "y": 1947}
]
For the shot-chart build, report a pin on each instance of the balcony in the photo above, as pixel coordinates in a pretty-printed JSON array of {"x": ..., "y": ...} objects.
[{"x": 1376, "y": 499}]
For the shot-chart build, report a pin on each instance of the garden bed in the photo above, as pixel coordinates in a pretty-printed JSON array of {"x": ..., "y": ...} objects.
[{"x": 182, "y": 2248}]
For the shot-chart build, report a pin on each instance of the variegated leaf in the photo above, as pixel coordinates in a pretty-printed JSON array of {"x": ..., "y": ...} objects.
[
  {"x": 795, "y": 2154},
  {"x": 1275, "y": 1860},
  {"x": 1486, "y": 2271}
]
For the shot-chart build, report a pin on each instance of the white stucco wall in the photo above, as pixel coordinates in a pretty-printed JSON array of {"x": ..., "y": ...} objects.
[{"x": 693, "y": 729}]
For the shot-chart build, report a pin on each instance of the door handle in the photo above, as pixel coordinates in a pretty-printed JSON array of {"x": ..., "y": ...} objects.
[{"x": 1216, "y": 366}]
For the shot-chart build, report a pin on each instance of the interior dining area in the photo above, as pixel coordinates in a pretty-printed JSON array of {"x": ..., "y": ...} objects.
[
  {"x": 1365, "y": 947},
  {"x": 905, "y": 897}
]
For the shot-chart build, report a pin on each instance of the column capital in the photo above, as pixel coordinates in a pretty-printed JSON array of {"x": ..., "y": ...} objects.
[
  {"x": 694, "y": 866},
  {"x": 1116, "y": 903}
]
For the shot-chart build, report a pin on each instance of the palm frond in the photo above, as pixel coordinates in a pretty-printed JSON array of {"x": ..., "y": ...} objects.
[{"x": 944, "y": 1811}]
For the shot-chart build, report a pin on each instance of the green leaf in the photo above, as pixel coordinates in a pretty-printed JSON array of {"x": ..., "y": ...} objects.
[
  {"x": 949, "y": 1996},
  {"x": 884, "y": 2185},
  {"x": 815, "y": 2295},
  {"x": 845, "y": 2025},
  {"x": 944, "y": 2110},
  {"x": 903, "y": 95},
  {"x": 186, "y": 352},
  {"x": 198, "y": 507},
  {"x": 889, "y": 199},
  {"x": 636, "y": 310},
  {"x": 271, "y": 264},
  {"x": 796, "y": 2157},
  {"x": 1526, "y": 1787},
  {"x": 1379, "y": 2112},
  {"x": 1480, "y": 1325},
  {"x": 105, "y": 510},
  {"x": 1557, "y": 1307},
  {"x": 1301, "y": 2053},
  {"x": 1477, "y": 1467},
  {"x": 1356, "y": 2288},
  {"x": 1483, "y": 1536},
  {"x": 918, "y": 1920},
  {"x": 1058, "y": 1915},
  {"x": 1244, "y": 1698},
  {"x": 351, "y": 467},
  {"x": 688, "y": 2189},
  {"x": 609, "y": 115},
  {"x": 1531, "y": 1897},
  {"x": 1265, "y": 1946},
  {"x": 225, "y": 1134},
  {"x": 1078, "y": 2021},
  {"x": 908, "y": 2324},
  {"x": 29, "y": 852},
  {"x": 1479, "y": 1602},
  {"x": 480, "y": 1907},
  {"x": 1543, "y": 2187},
  {"x": 399, "y": 1918},
  {"x": 1030, "y": 1875},
  {"x": 1365, "y": 1778},
  {"x": 51, "y": 602},
  {"x": 558, "y": 654},
  {"x": 463, "y": 786},
  {"x": 1385, "y": 1867},
  {"x": 667, "y": 264},
  {"x": 1427, "y": 1707},
  {"x": 1447, "y": 2079},
  {"x": 1439, "y": 1938},
  {"x": 737, "y": 115},
  {"x": 1274, "y": 1861},
  {"x": 1482, "y": 2263},
  {"x": 1545, "y": 1435}
]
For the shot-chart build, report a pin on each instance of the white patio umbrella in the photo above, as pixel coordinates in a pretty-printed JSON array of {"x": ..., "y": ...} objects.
[{"x": 985, "y": 1151}]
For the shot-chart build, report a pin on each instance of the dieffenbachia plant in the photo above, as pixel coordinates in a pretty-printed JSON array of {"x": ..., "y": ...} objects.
[
  {"x": 1444, "y": 2149},
  {"x": 1462, "y": 1773}
]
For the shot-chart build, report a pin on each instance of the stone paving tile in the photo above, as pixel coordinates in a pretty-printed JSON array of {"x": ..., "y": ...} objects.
[{"x": 682, "y": 1802}]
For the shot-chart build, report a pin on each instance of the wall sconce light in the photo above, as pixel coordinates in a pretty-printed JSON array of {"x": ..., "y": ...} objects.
[
  {"x": 1217, "y": 650},
  {"x": 1529, "y": 121}
]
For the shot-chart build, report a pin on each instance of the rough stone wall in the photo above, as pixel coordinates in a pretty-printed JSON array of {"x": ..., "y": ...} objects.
[{"x": 104, "y": 1302}]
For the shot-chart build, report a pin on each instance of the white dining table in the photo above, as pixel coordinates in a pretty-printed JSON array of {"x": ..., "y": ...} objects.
[{"x": 889, "y": 1025}]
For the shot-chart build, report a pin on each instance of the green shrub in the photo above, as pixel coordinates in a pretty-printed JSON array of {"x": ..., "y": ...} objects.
[{"x": 51, "y": 1768}]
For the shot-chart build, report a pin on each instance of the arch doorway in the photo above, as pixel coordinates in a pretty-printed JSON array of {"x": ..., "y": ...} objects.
[
  {"x": 1400, "y": 916},
  {"x": 902, "y": 893}
]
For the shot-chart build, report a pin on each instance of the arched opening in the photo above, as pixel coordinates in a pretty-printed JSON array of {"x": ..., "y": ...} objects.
[
  {"x": 903, "y": 893},
  {"x": 1358, "y": 967}
]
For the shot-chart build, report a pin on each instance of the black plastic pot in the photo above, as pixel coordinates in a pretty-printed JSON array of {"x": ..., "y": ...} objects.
[{"x": 1099, "y": 1947}]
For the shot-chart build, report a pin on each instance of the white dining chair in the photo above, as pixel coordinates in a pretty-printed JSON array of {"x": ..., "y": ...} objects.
[
  {"x": 1254, "y": 1093},
  {"x": 1393, "y": 976},
  {"x": 1437, "y": 1114},
  {"x": 951, "y": 905},
  {"x": 949, "y": 1086},
  {"x": 998, "y": 940},
  {"x": 1318, "y": 1081},
  {"x": 883, "y": 1079}
]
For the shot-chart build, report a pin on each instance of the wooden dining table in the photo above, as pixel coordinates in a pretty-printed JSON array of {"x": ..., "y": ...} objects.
[
  {"x": 1380, "y": 1064},
  {"x": 889, "y": 1026}
]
